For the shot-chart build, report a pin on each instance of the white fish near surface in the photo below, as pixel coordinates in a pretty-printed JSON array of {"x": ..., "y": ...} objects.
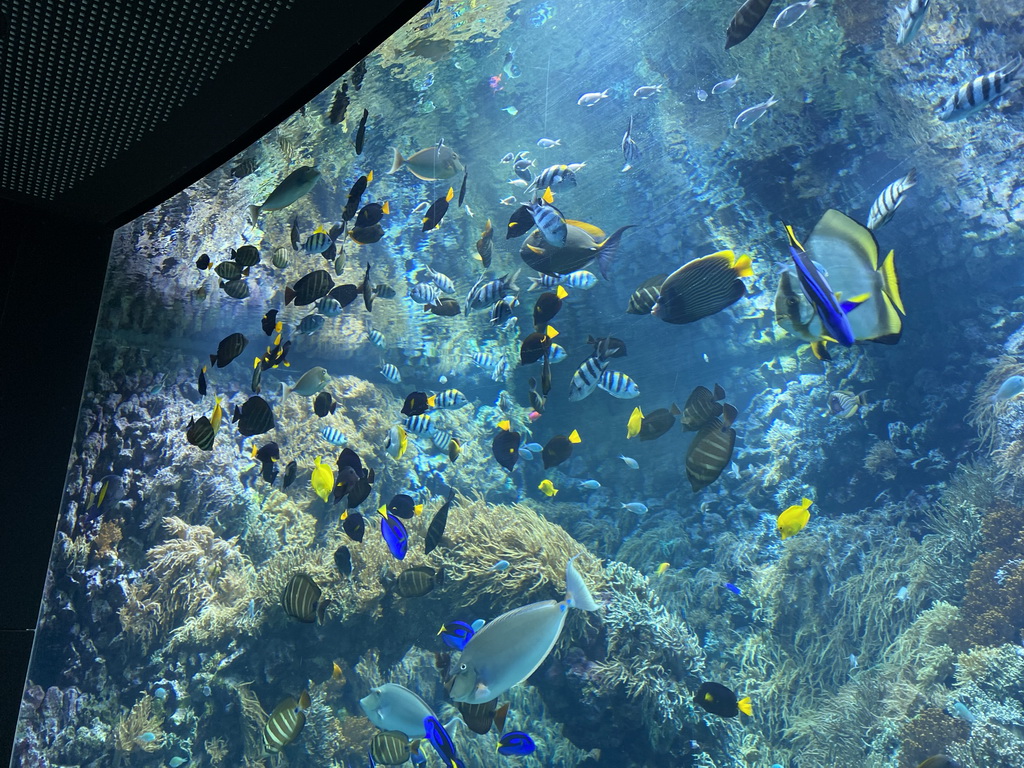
[
  {"x": 442, "y": 281},
  {"x": 510, "y": 648},
  {"x": 751, "y": 115},
  {"x": 549, "y": 143},
  {"x": 590, "y": 99},
  {"x": 911, "y": 16},
  {"x": 980, "y": 92},
  {"x": 389, "y": 372},
  {"x": 724, "y": 86},
  {"x": 618, "y": 385},
  {"x": 885, "y": 204},
  {"x": 590, "y": 485},
  {"x": 1009, "y": 389},
  {"x": 585, "y": 379},
  {"x": 392, "y": 707},
  {"x": 791, "y": 14},
  {"x": 646, "y": 91},
  {"x": 702, "y": 95}
]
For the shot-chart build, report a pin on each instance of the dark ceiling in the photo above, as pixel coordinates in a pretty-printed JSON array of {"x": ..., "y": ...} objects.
[{"x": 108, "y": 107}]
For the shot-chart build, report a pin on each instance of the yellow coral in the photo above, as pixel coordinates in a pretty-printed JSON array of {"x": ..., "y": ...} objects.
[{"x": 140, "y": 729}]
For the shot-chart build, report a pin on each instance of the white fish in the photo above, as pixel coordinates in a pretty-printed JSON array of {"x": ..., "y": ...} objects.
[
  {"x": 1009, "y": 389},
  {"x": 425, "y": 293},
  {"x": 519, "y": 183},
  {"x": 510, "y": 200},
  {"x": 535, "y": 447},
  {"x": 469, "y": 211},
  {"x": 646, "y": 91},
  {"x": 702, "y": 95},
  {"x": 749, "y": 116},
  {"x": 590, "y": 99},
  {"x": 421, "y": 207},
  {"x": 902, "y": 594},
  {"x": 885, "y": 204},
  {"x": 549, "y": 143},
  {"x": 508, "y": 158},
  {"x": 911, "y": 16},
  {"x": 590, "y": 485},
  {"x": 791, "y": 14},
  {"x": 377, "y": 338},
  {"x": 500, "y": 566},
  {"x": 577, "y": 167},
  {"x": 979, "y": 92},
  {"x": 392, "y": 707},
  {"x": 631, "y": 463},
  {"x": 724, "y": 86},
  {"x": 636, "y": 507},
  {"x": 580, "y": 279}
]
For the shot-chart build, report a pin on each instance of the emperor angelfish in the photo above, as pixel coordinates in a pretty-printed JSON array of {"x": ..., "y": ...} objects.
[
  {"x": 979, "y": 92},
  {"x": 392, "y": 707},
  {"x": 511, "y": 647}
]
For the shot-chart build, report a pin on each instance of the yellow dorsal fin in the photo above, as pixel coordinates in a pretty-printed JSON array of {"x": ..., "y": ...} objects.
[
  {"x": 560, "y": 292},
  {"x": 369, "y": 177},
  {"x": 386, "y": 208},
  {"x": 743, "y": 266},
  {"x": 534, "y": 248},
  {"x": 320, "y": 230},
  {"x": 418, "y": 509},
  {"x": 547, "y": 197},
  {"x": 890, "y": 283},
  {"x": 383, "y": 510},
  {"x": 574, "y": 437},
  {"x": 506, "y": 425},
  {"x": 590, "y": 229},
  {"x": 450, "y": 195},
  {"x": 551, "y": 332}
]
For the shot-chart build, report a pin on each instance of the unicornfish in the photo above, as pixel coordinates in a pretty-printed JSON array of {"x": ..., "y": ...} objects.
[{"x": 392, "y": 707}]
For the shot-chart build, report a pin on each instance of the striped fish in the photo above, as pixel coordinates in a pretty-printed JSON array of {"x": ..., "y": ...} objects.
[
  {"x": 702, "y": 287},
  {"x": 911, "y": 17},
  {"x": 419, "y": 424},
  {"x": 301, "y": 599},
  {"x": 549, "y": 221},
  {"x": 442, "y": 281},
  {"x": 618, "y": 385},
  {"x": 280, "y": 257},
  {"x": 643, "y": 299},
  {"x": 285, "y": 722},
  {"x": 891, "y": 198},
  {"x": 979, "y": 92},
  {"x": 333, "y": 435},
  {"x": 418, "y": 581},
  {"x": 441, "y": 438},
  {"x": 544, "y": 281},
  {"x": 451, "y": 398},
  {"x": 377, "y": 338},
  {"x": 554, "y": 177},
  {"x": 580, "y": 279},
  {"x": 200, "y": 433},
  {"x": 318, "y": 242},
  {"x": 389, "y": 372},
  {"x": 390, "y": 748},
  {"x": 310, "y": 324},
  {"x": 485, "y": 360},
  {"x": 586, "y": 378},
  {"x": 556, "y": 353},
  {"x": 711, "y": 450},
  {"x": 630, "y": 149},
  {"x": 329, "y": 306},
  {"x": 745, "y": 21},
  {"x": 701, "y": 407},
  {"x": 484, "y": 294},
  {"x": 425, "y": 293}
]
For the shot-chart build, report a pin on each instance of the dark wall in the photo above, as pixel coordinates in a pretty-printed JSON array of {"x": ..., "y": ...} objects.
[{"x": 52, "y": 279}]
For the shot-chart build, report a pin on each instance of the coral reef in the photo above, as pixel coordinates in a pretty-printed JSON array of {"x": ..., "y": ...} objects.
[{"x": 140, "y": 729}]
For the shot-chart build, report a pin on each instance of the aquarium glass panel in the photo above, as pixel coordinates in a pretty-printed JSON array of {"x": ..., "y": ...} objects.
[{"x": 608, "y": 383}]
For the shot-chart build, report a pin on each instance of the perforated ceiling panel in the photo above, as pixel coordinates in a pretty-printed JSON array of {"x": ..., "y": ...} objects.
[{"x": 84, "y": 80}]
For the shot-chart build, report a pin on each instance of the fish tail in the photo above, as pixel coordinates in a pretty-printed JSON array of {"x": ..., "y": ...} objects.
[
  {"x": 745, "y": 706},
  {"x": 254, "y": 214},
  {"x": 398, "y": 162},
  {"x": 576, "y": 592},
  {"x": 608, "y": 249},
  {"x": 910, "y": 179}
]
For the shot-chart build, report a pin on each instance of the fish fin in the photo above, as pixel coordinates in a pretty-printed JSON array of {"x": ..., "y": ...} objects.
[
  {"x": 793, "y": 242},
  {"x": 398, "y": 162},
  {"x": 818, "y": 348},
  {"x": 674, "y": 410},
  {"x": 551, "y": 332},
  {"x": 213, "y": 360},
  {"x": 500, "y": 714},
  {"x": 237, "y": 415},
  {"x": 534, "y": 248},
  {"x": 806, "y": 503},
  {"x": 450, "y": 195},
  {"x": 890, "y": 283},
  {"x": 547, "y": 197},
  {"x": 607, "y": 249},
  {"x": 743, "y": 266},
  {"x": 505, "y": 425},
  {"x": 560, "y": 292},
  {"x": 851, "y": 304},
  {"x": 289, "y": 295},
  {"x": 576, "y": 592},
  {"x": 729, "y": 414},
  {"x": 574, "y": 437},
  {"x": 255, "y": 450},
  {"x": 745, "y": 706},
  {"x": 890, "y": 324},
  {"x": 719, "y": 392},
  {"x": 369, "y": 177},
  {"x": 254, "y": 214},
  {"x": 386, "y": 207},
  {"x": 590, "y": 229},
  {"x": 432, "y": 400}
]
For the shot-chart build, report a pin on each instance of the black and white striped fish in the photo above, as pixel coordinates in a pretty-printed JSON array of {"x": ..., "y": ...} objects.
[
  {"x": 442, "y": 281},
  {"x": 389, "y": 372},
  {"x": 441, "y": 438},
  {"x": 630, "y": 149},
  {"x": 979, "y": 92},
  {"x": 301, "y": 599},
  {"x": 502, "y": 310},
  {"x": 485, "y": 360},
  {"x": 329, "y": 306},
  {"x": 618, "y": 385},
  {"x": 485, "y": 293},
  {"x": 419, "y": 424},
  {"x": 549, "y": 220},
  {"x": 911, "y": 17},
  {"x": 285, "y": 722},
  {"x": 885, "y": 204},
  {"x": 425, "y": 293},
  {"x": 586, "y": 378},
  {"x": 451, "y": 398},
  {"x": 310, "y": 324},
  {"x": 557, "y": 178},
  {"x": 377, "y": 338}
]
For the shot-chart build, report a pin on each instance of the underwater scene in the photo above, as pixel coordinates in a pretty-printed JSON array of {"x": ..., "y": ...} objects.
[{"x": 569, "y": 384}]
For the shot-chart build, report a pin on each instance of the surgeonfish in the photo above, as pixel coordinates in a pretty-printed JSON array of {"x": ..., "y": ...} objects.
[
  {"x": 911, "y": 16},
  {"x": 295, "y": 185},
  {"x": 979, "y": 92},
  {"x": 301, "y": 599},
  {"x": 228, "y": 349},
  {"x": 254, "y": 417},
  {"x": 322, "y": 479},
  {"x": 725, "y": 85},
  {"x": 309, "y": 384},
  {"x": 1009, "y": 389},
  {"x": 432, "y": 164},
  {"x": 394, "y": 534},
  {"x": 515, "y": 743},
  {"x": 583, "y": 244},
  {"x": 456, "y": 634},
  {"x": 437, "y": 210},
  {"x": 646, "y": 91},
  {"x": 719, "y": 700},
  {"x": 511, "y": 647},
  {"x": 309, "y": 288},
  {"x": 702, "y": 287},
  {"x": 480, "y": 717},
  {"x": 392, "y": 707},
  {"x": 701, "y": 407},
  {"x": 505, "y": 446},
  {"x": 659, "y": 422},
  {"x": 547, "y": 488},
  {"x": 285, "y": 722},
  {"x": 745, "y": 21},
  {"x": 793, "y": 519},
  {"x": 845, "y": 404},
  {"x": 484, "y": 245},
  {"x": 418, "y": 581},
  {"x": 391, "y": 748},
  {"x": 559, "y": 449},
  {"x": 885, "y": 204},
  {"x": 435, "y": 531},
  {"x": 711, "y": 450},
  {"x": 636, "y": 419}
]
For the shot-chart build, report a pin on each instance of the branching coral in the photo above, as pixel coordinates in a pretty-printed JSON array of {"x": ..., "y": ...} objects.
[{"x": 140, "y": 728}]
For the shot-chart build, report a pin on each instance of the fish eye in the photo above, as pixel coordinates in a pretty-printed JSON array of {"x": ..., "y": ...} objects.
[{"x": 463, "y": 667}]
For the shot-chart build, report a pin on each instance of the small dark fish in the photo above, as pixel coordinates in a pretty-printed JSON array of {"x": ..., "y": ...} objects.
[
  {"x": 545, "y": 378},
  {"x": 505, "y": 447},
  {"x": 268, "y": 456},
  {"x": 390, "y": 748},
  {"x": 353, "y": 524},
  {"x": 711, "y": 450},
  {"x": 289, "y": 474},
  {"x": 344, "y": 294},
  {"x": 659, "y": 422},
  {"x": 559, "y": 448},
  {"x": 245, "y": 168},
  {"x": 519, "y": 223},
  {"x": 343, "y": 560},
  {"x": 276, "y": 355},
  {"x": 444, "y": 307},
  {"x": 257, "y": 375},
  {"x": 608, "y": 347},
  {"x": 201, "y": 384},
  {"x": 236, "y": 289},
  {"x": 745, "y": 21},
  {"x": 484, "y": 246},
  {"x": 355, "y": 195},
  {"x": 702, "y": 287},
  {"x": 643, "y": 299},
  {"x": 435, "y": 531},
  {"x": 367, "y": 235},
  {"x": 200, "y": 433},
  {"x": 547, "y": 306},
  {"x": 516, "y": 743},
  {"x": 295, "y": 236},
  {"x": 462, "y": 189},
  {"x": 418, "y": 581},
  {"x": 395, "y": 535},
  {"x": 361, "y": 132},
  {"x": 534, "y": 347},
  {"x": 436, "y": 211},
  {"x": 229, "y": 348},
  {"x": 254, "y": 417},
  {"x": 269, "y": 322},
  {"x": 309, "y": 288},
  {"x": 367, "y": 289},
  {"x": 230, "y": 270},
  {"x": 285, "y": 722},
  {"x": 719, "y": 700},
  {"x": 417, "y": 403},
  {"x": 402, "y": 505},
  {"x": 324, "y": 405},
  {"x": 702, "y": 406},
  {"x": 301, "y": 599},
  {"x": 203, "y": 262},
  {"x": 358, "y": 73},
  {"x": 246, "y": 256},
  {"x": 371, "y": 214},
  {"x": 480, "y": 717},
  {"x": 339, "y": 106}
]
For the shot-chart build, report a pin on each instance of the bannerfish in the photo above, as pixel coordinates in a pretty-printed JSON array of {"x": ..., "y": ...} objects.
[
  {"x": 745, "y": 21},
  {"x": 431, "y": 164},
  {"x": 392, "y": 707},
  {"x": 702, "y": 287},
  {"x": 510, "y": 648},
  {"x": 295, "y": 185}
]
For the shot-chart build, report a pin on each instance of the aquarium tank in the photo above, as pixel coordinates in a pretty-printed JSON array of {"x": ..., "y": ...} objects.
[{"x": 569, "y": 384}]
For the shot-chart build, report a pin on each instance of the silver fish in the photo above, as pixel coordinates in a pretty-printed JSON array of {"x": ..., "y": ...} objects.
[
  {"x": 724, "y": 86},
  {"x": 311, "y": 382},
  {"x": 702, "y": 95},
  {"x": 749, "y": 116},
  {"x": 646, "y": 91},
  {"x": 590, "y": 99},
  {"x": 630, "y": 149},
  {"x": 791, "y": 14},
  {"x": 891, "y": 198},
  {"x": 392, "y": 707},
  {"x": 556, "y": 177},
  {"x": 979, "y": 92},
  {"x": 911, "y": 16},
  {"x": 549, "y": 143},
  {"x": 507, "y": 650}
]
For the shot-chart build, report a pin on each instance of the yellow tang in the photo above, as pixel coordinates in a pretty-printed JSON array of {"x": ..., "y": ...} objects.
[
  {"x": 661, "y": 569},
  {"x": 547, "y": 487},
  {"x": 636, "y": 420},
  {"x": 794, "y": 518},
  {"x": 217, "y": 415},
  {"x": 322, "y": 479}
]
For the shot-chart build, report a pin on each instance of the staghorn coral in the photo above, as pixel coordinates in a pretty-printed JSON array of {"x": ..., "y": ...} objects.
[{"x": 140, "y": 728}]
